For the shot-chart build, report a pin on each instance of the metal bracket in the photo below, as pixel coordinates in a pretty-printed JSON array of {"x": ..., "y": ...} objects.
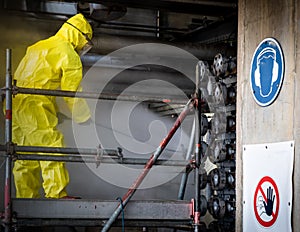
[
  {"x": 120, "y": 154},
  {"x": 15, "y": 89},
  {"x": 3, "y": 90},
  {"x": 99, "y": 156},
  {"x": 3, "y": 94},
  {"x": 193, "y": 164},
  {"x": 10, "y": 149}
]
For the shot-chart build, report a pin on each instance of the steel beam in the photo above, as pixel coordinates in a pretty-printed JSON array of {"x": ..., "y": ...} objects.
[{"x": 101, "y": 210}]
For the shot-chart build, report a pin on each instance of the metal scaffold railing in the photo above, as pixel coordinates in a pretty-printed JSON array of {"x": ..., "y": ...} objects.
[
  {"x": 91, "y": 95},
  {"x": 79, "y": 155},
  {"x": 8, "y": 140},
  {"x": 12, "y": 152}
]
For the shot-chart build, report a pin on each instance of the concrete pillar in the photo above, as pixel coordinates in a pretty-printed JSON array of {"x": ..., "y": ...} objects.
[{"x": 281, "y": 120}]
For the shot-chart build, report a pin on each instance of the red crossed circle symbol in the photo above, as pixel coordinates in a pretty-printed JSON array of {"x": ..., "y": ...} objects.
[{"x": 260, "y": 190}]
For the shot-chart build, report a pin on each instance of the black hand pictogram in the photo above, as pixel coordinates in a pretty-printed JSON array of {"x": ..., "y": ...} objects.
[{"x": 270, "y": 202}]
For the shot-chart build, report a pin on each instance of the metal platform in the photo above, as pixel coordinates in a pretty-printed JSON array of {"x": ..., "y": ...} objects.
[{"x": 37, "y": 212}]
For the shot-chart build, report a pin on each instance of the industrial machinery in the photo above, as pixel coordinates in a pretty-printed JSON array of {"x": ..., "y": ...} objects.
[{"x": 222, "y": 143}]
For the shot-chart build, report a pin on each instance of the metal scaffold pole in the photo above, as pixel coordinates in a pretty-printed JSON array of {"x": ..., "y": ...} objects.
[
  {"x": 188, "y": 168},
  {"x": 92, "y": 95},
  {"x": 197, "y": 152},
  {"x": 197, "y": 178},
  {"x": 126, "y": 198},
  {"x": 8, "y": 141}
]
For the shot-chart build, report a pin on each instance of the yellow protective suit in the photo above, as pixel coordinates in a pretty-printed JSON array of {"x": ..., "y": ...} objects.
[{"x": 49, "y": 64}]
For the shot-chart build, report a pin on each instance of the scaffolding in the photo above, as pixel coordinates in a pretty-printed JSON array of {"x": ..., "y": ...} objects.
[{"x": 80, "y": 212}]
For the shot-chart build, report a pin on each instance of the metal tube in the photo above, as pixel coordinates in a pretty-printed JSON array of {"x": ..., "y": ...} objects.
[
  {"x": 82, "y": 155},
  {"x": 65, "y": 150},
  {"x": 158, "y": 24},
  {"x": 126, "y": 198},
  {"x": 197, "y": 152},
  {"x": 95, "y": 159},
  {"x": 182, "y": 187},
  {"x": 183, "y": 182},
  {"x": 106, "y": 44},
  {"x": 8, "y": 141},
  {"x": 103, "y": 96},
  {"x": 191, "y": 143},
  {"x": 185, "y": 175},
  {"x": 59, "y": 158},
  {"x": 153, "y": 27},
  {"x": 197, "y": 178}
]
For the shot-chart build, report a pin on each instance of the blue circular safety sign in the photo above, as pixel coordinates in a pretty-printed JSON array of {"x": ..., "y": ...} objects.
[{"x": 267, "y": 71}]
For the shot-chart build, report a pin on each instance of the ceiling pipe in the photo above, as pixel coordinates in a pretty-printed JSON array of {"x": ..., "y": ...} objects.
[
  {"x": 207, "y": 3},
  {"x": 208, "y": 8},
  {"x": 105, "y": 44}
]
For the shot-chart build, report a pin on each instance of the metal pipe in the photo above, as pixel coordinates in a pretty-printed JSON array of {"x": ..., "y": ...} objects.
[
  {"x": 197, "y": 179},
  {"x": 185, "y": 175},
  {"x": 58, "y": 158},
  {"x": 105, "y": 44},
  {"x": 126, "y": 198},
  {"x": 183, "y": 182},
  {"x": 82, "y": 155},
  {"x": 197, "y": 205},
  {"x": 94, "y": 159},
  {"x": 157, "y": 24},
  {"x": 8, "y": 141},
  {"x": 178, "y": 6},
  {"x": 153, "y": 27},
  {"x": 66, "y": 150},
  {"x": 103, "y": 96},
  {"x": 191, "y": 143},
  {"x": 127, "y": 28},
  {"x": 211, "y": 3}
]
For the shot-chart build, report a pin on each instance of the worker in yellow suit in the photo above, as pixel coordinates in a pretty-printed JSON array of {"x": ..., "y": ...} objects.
[{"x": 52, "y": 63}]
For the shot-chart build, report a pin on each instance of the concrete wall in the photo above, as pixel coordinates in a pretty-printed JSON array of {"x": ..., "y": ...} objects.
[{"x": 280, "y": 121}]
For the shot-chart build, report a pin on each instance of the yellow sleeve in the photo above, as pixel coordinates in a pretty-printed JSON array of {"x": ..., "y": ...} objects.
[{"x": 71, "y": 78}]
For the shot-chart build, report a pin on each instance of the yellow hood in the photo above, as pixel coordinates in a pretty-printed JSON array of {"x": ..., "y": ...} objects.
[{"x": 73, "y": 35}]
